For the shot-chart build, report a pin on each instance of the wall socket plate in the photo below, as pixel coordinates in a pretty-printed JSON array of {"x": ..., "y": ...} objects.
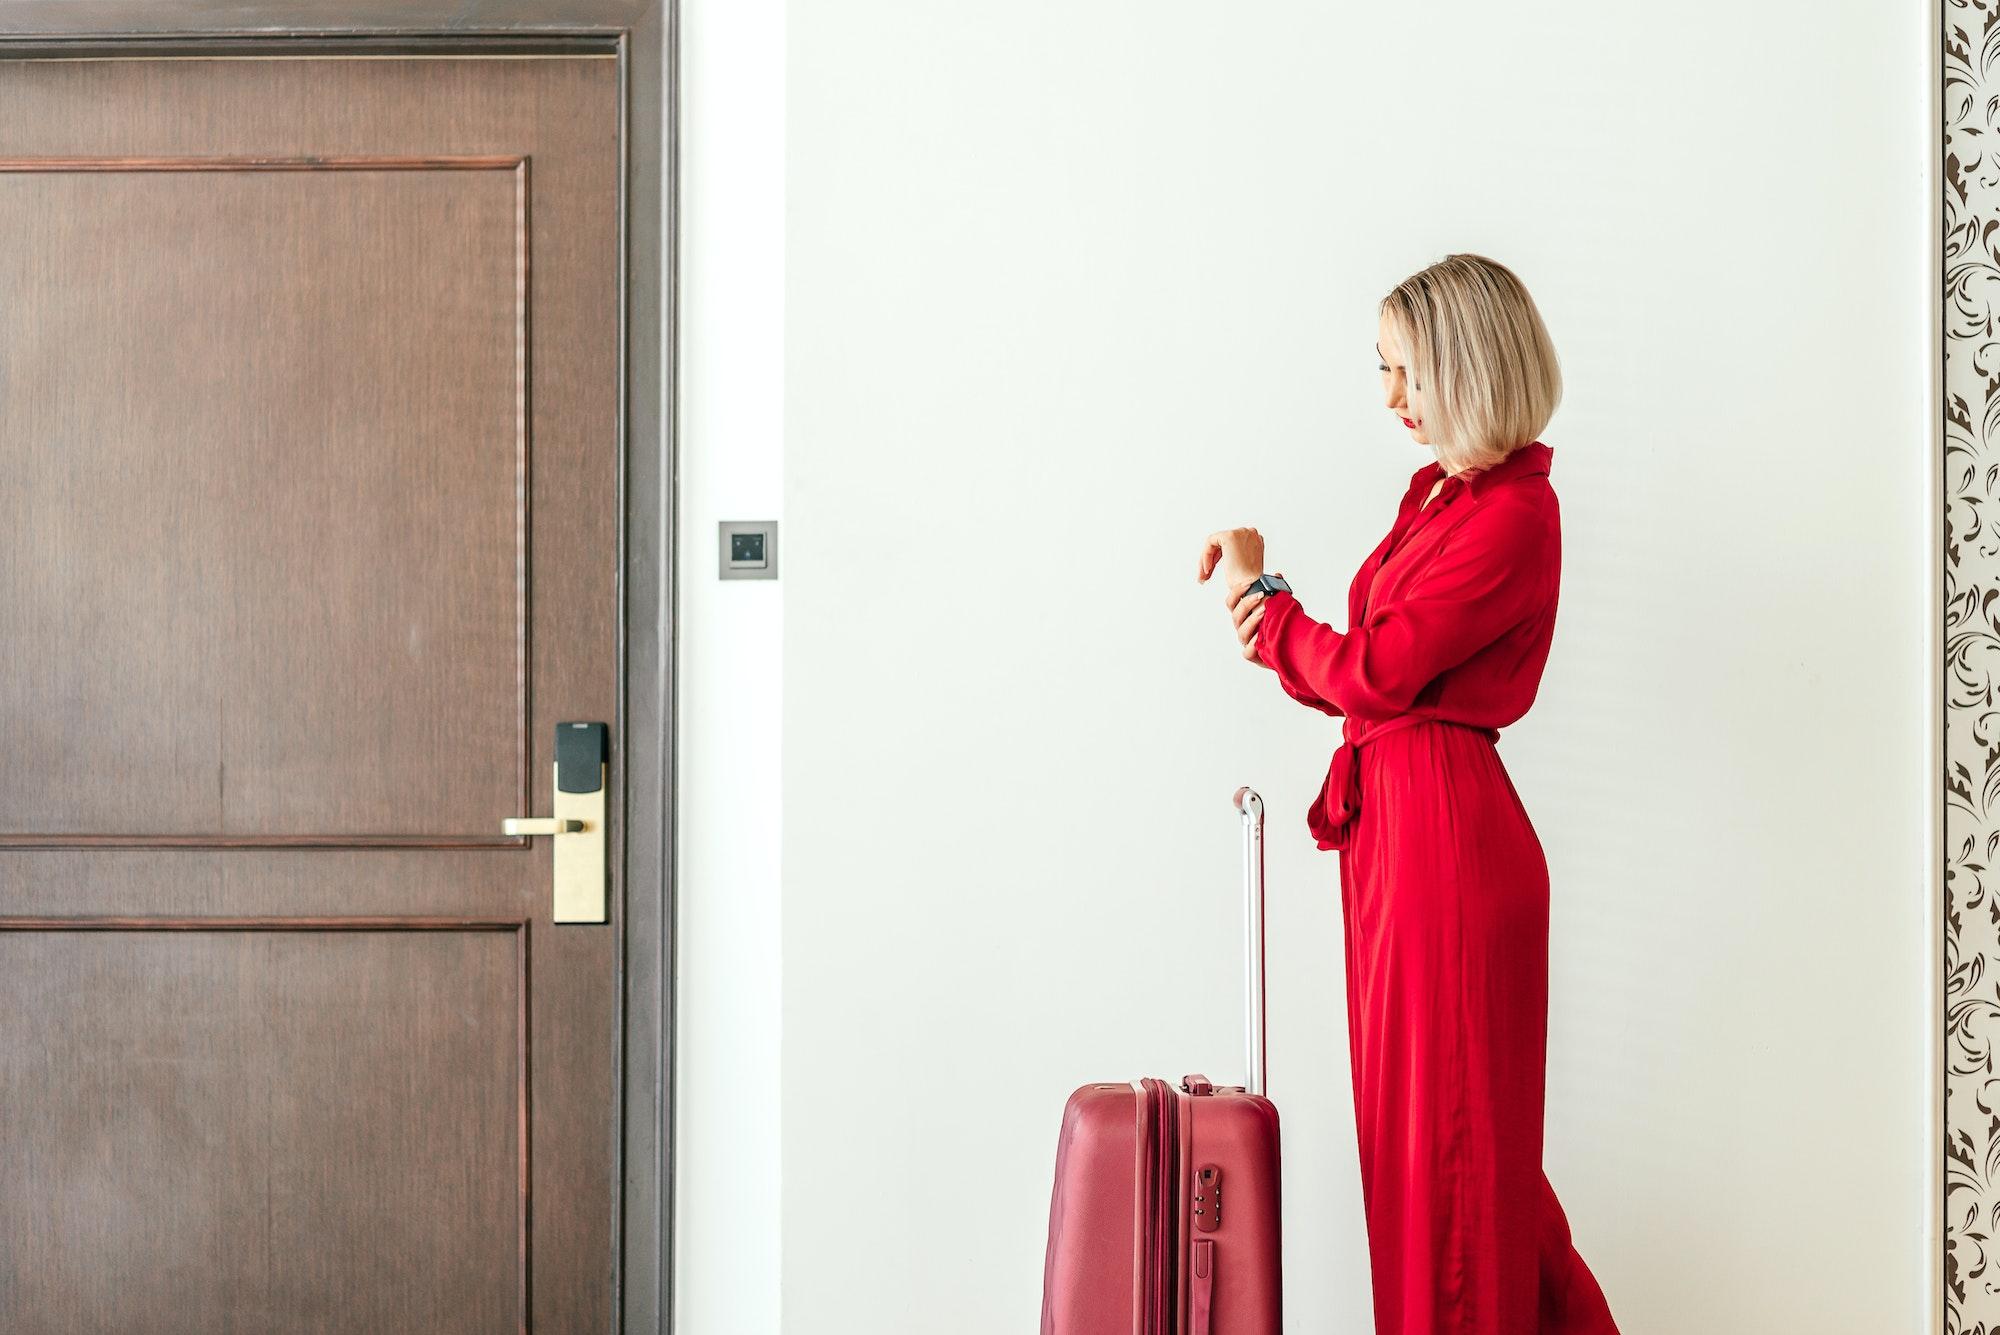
[{"x": 749, "y": 549}]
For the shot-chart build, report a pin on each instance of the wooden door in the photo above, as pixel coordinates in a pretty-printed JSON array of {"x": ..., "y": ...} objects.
[{"x": 309, "y": 537}]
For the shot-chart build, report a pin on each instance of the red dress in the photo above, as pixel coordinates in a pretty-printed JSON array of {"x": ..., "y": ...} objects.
[{"x": 1445, "y": 898}]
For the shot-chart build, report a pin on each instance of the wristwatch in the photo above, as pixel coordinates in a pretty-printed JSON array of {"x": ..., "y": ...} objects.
[{"x": 1267, "y": 585}]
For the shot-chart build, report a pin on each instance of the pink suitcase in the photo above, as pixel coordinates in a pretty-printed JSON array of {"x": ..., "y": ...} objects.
[{"x": 1165, "y": 1216}]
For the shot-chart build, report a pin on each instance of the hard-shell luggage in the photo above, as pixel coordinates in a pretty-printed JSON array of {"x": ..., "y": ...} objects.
[{"x": 1165, "y": 1217}]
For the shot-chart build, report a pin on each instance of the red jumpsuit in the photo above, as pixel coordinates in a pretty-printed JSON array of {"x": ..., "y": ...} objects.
[{"x": 1445, "y": 897}]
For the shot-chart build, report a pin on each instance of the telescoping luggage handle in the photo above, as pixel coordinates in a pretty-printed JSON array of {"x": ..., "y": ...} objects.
[{"x": 1250, "y": 808}]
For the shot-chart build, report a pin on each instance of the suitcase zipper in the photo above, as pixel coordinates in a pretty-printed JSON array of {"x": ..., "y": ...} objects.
[
  {"x": 1170, "y": 1211},
  {"x": 1163, "y": 1243}
]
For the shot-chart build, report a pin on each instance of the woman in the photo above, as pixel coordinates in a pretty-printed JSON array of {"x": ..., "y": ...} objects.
[{"x": 1443, "y": 883}]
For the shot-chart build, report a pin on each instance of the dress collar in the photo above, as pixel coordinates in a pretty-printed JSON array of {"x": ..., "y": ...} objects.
[{"x": 1524, "y": 461}]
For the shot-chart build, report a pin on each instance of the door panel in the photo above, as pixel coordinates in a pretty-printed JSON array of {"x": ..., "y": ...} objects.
[
  {"x": 240, "y": 1123},
  {"x": 313, "y": 465},
  {"x": 309, "y": 378}
]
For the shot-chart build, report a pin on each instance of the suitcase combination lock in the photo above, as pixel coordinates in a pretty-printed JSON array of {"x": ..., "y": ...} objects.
[{"x": 1208, "y": 1198}]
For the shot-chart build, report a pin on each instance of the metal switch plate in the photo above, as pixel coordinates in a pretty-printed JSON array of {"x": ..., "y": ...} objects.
[{"x": 749, "y": 549}]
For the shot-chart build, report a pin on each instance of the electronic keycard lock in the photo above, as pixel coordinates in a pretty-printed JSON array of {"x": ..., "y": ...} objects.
[{"x": 582, "y": 766}]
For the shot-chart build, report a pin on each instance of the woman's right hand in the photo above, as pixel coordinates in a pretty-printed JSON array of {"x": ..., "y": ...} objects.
[{"x": 1248, "y": 611}]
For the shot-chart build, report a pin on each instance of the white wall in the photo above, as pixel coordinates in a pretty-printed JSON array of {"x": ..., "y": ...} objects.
[
  {"x": 1067, "y": 286},
  {"x": 729, "y": 957}
]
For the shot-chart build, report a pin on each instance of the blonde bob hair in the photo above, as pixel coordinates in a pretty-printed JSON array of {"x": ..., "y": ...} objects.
[{"x": 1484, "y": 363}]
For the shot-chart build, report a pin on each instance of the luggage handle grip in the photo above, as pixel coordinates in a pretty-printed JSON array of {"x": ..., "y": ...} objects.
[{"x": 1250, "y": 807}]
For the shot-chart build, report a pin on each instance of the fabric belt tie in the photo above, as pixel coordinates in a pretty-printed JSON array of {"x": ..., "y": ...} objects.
[{"x": 1334, "y": 813}]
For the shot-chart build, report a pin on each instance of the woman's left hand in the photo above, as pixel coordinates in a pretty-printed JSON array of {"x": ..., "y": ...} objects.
[{"x": 1240, "y": 552}]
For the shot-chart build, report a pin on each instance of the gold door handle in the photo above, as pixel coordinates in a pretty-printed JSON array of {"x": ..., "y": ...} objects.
[
  {"x": 540, "y": 825},
  {"x": 581, "y": 773}
]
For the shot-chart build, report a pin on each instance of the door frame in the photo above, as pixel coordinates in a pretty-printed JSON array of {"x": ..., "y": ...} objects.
[{"x": 643, "y": 34}]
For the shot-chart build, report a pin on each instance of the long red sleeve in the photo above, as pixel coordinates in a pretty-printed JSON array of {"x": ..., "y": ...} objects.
[
  {"x": 1492, "y": 573},
  {"x": 1291, "y": 683}
]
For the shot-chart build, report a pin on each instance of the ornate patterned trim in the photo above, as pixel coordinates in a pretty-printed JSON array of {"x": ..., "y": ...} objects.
[{"x": 1964, "y": 1298}]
